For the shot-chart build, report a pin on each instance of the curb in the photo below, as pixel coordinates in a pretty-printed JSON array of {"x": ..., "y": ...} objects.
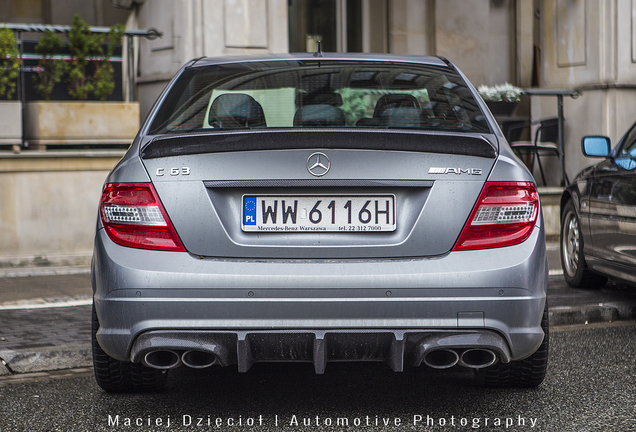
[
  {"x": 46, "y": 260},
  {"x": 603, "y": 312},
  {"x": 46, "y": 359},
  {"x": 40, "y": 303},
  {"x": 43, "y": 271}
]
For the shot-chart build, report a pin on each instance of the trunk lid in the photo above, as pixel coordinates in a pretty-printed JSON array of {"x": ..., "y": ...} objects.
[{"x": 431, "y": 180}]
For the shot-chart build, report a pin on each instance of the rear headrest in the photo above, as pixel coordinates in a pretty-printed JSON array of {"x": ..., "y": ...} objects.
[
  {"x": 327, "y": 98},
  {"x": 319, "y": 115},
  {"x": 395, "y": 100},
  {"x": 236, "y": 110},
  {"x": 401, "y": 117}
]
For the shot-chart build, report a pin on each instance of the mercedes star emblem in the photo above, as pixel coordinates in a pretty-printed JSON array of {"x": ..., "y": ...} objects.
[{"x": 318, "y": 164}]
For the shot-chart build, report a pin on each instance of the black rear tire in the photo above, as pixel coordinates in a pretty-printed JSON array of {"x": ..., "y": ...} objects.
[
  {"x": 575, "y": 270},
  {"x": 122, "y": 377},
  {"x": 529, "y": 372}
]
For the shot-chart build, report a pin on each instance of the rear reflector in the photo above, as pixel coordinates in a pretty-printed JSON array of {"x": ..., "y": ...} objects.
[
  {"x": 504, "y": 215},
  {"x": 133, "y": 216}
]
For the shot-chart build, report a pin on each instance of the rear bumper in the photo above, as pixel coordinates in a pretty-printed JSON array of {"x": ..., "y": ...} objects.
[
  {"x": 394, "y": 347},
  {"x": 485, "y": 299}
]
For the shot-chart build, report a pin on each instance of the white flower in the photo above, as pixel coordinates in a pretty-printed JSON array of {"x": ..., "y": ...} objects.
[{"x": 500, "y": 93}]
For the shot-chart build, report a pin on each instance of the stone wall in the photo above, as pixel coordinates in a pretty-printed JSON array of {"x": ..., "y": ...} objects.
[{"x": 48, "y": 206}]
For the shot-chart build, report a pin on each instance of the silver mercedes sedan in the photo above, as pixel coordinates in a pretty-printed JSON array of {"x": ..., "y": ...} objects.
[{"x": 319, "y": 208}]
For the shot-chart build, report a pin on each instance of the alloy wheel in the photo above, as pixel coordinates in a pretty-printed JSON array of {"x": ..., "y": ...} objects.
[{"x": 571, "y": 244}]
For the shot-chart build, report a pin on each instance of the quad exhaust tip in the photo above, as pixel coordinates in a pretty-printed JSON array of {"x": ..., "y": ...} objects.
[
  {"x": 471, "y": 358},
  {"x": 162, "y": 359},
  {"x": 441, "y": 359},
  {"x": 477, "y": 358},
  {"x": 198, "y": 359},
  {"x": 168, "y": 359}
]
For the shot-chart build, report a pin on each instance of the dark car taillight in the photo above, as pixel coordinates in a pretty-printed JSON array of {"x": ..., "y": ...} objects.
[
  {"x": 504, "y": 215},
  {"x": 133, "y": 216}
]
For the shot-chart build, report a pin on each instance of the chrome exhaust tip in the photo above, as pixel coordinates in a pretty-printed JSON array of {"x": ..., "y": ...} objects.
[
  {"x": 477, "y": 358},
  {"x": 441, "y": 359},
  {"x": 162, "y": 359},
  {"x": 198, "y": 359}
]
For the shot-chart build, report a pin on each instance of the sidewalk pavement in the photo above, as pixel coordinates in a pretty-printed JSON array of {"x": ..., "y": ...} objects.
[{"x": 45, "y": 314}]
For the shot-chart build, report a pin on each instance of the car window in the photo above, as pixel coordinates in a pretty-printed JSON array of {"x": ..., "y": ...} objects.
[
  {"x": 628, "y": 146},
  {"x": 317, "y": 94}
]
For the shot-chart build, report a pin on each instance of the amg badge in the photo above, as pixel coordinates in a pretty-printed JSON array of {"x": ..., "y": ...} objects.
[{"x": 442, "y": 170}]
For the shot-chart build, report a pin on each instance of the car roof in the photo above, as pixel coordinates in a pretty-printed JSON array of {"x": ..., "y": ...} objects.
[{"x": 362, "y": 57}]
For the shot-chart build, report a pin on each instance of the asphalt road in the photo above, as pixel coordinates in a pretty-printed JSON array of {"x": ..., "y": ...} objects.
[{"x": 591, "y": 386}]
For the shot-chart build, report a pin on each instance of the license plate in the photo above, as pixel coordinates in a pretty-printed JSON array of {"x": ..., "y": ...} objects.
[{"x": 312, "y": 213}]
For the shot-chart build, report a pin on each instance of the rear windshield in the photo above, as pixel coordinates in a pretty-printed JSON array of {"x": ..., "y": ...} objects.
[{"x": 318, "y": 94}]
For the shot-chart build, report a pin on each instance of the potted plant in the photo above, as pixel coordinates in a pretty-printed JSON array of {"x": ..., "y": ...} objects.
[
  {"x": 502, "y": 99},
  {"x": 10, "y": 110},
  {"x": 88, "y": 74}
]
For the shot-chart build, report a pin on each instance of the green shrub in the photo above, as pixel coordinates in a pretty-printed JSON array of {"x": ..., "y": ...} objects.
[
  {"x": 88, "y": 72},
  {"x": 9, "y": 63},
  {"x": 104, "y": 83},
  {"x": 84, "y": 46},
  {"x": 51, "y": 69}
]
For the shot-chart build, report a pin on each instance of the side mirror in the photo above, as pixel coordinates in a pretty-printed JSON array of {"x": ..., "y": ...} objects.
[{"x": 596, "y": 146}]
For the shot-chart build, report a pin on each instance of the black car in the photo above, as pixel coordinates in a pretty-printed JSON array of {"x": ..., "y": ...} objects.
[{"x": 598, "y": 215}]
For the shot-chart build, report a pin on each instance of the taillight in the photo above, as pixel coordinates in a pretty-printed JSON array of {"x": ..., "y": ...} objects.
[
  {"x": 133, "y": 216},
  {"x": 504, "y": 215}
]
